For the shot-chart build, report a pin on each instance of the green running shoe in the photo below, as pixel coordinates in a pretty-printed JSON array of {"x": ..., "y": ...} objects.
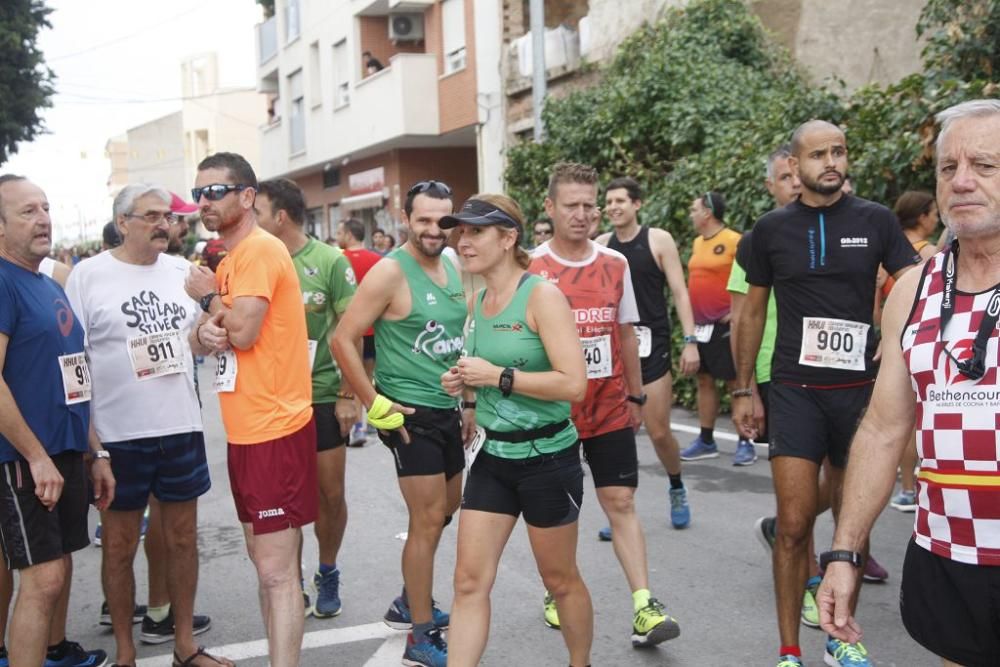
[
  {"x": 810, "y": 609},
  {"x": 651, "y": 626},
  {"x": 551, "y": 613}
]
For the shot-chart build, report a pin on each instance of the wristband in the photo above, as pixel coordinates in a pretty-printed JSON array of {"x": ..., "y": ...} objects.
[
  {"x": 852, "y": 557},
  {"x": 345, "y": 396},
  {"x": 468, "y": 405},
  {"x": 379, "y": 417},
  {"x": 690, "y": 339},
  {"x": 741, "y": 393}
]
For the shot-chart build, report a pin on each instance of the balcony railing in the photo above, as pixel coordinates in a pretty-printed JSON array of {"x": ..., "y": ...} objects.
[{"x": 267, "y": 40}]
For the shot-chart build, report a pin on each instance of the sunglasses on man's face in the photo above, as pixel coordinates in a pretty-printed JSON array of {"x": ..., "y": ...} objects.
[{"x": 215, "y": 192}]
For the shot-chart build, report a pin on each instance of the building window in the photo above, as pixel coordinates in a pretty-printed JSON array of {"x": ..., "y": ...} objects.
[
  {"x": 341, "y": 75},
  {"x": 331, "y": 177},
  {"x": 292, "y": 28},
  {"x": 296, "y": 113},
  {"x": 453, "y": 34}
]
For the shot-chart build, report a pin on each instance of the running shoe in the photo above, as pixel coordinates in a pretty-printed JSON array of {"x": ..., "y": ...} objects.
[
  {"x": 137, "y": 614},
  {"x": 699, "y": 449},
  {"x": 327, "y": 594},
  {"x": 842, "y": 654},
  {"x": 651, "y": 626},
  {"x": 551, "y": 613},
  {"x": 765, "y": 528},
  {"x": 904, "y": 501},
  {"x": 810, "y": 610},
  {"x": 430, "y": 651},
  {"x": 746, "y": 454},
  {"x": 680, "y": 513},
  {"x": 789, "y": 661},
  {"x": 97, "y": 535},
  {"x": 604, "y": 534},
  {"x": 874, "y": 573},
  {"x": 154, "y": 632},
  {"x": 75, "y": 655},
  {"x": 398, "y": 616},
  {"x": 306, "y": 602},
  {"x": 359, "y": 435}
]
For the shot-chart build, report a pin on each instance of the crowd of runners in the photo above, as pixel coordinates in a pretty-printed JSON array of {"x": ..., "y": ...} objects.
[{"x": 490, "y": 400}]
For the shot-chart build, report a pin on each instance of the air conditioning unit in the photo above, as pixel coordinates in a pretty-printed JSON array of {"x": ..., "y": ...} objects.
[{"x": 406, "y": 27}]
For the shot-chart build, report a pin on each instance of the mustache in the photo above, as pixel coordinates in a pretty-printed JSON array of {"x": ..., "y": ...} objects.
[{"x": 160, "y": 235}]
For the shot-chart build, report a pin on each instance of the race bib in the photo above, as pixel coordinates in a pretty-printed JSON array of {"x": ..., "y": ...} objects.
[
  {"x": 597, "y": 353},
  {"x": 156, "y": 354},
  {"x": 703, "y": 332},
  {"x": 225, "y": 372},
  {"x": 473, "y": 449},
  {"x": 832, "y": 343},
  {"x": 75, "y": 377},
  {"x": 313, "y": 344},
  {"x": 645, "y": 337}
]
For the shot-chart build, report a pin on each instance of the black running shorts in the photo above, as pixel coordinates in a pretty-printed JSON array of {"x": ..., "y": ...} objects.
[
  {"x": 435, "y": 445},
  {"x": 612, "y": 458},
  {"x": 546, "y": 489},
  {"x": 659, "y": 361},
  {"x": 716, "y": 355},
  {"x": 327, "y": 427},
  {"x": 951, "y": 608},
  {"x": 814, "y": 423}
]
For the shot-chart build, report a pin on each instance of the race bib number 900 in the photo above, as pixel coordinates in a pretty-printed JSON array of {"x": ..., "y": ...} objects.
[
  {"x": 833, "y": 343},
  {"x": 597, "y": 353}
]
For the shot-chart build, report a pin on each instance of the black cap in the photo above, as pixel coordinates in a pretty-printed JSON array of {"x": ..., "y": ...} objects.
[{"x": 478, "y": 212}]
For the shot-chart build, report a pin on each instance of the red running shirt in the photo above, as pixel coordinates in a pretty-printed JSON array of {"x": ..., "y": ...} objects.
[{"x": 361, "y": 261}]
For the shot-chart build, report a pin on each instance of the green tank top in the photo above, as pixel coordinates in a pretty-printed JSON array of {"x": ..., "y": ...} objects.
[
  {"x": 506, "y": 340},
  {"x": 327, "y": 283},
  {"x": 412, "y": 353}
]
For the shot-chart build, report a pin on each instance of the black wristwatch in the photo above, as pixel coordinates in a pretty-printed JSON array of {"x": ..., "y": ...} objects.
[
  {"x": 638, "y": 400},
  {"x": 206, "y": 301},
  {"x": 852, "y": 557},
  {"x": 506, "y": 381}
]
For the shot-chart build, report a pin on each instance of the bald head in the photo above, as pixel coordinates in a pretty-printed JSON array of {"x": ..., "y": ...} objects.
[{"x": 809, "y": 128}]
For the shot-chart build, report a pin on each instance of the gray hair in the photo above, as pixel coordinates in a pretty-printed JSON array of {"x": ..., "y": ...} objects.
[
  {"x": 125, "y": 201},
  {"x": 782, "y": 151},
  {"x": 970, "y": 109}
]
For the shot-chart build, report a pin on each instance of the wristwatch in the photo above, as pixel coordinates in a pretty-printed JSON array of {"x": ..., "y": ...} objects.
[
  {"x": 103, "y": 454},
  {"x": 690, "y": 339},
  {"x": 853, "y": 557},
  {"x": 206, "y": 301},
  {"x": 506, "y": 381},
  {"x": 638, "y": 400}
]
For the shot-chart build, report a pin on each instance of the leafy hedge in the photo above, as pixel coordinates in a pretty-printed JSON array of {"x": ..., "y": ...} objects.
[{"x": 698, "y": 100}]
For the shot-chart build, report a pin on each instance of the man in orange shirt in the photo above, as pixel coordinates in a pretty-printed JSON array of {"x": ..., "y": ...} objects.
[
  {"x": 708, "y": 274},
  {"x": 255, "y": 327}
]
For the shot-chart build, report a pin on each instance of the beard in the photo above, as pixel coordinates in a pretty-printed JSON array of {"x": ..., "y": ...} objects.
[
  {"x": 822, "y": 188},
  {"x": 422, "y": 246}
]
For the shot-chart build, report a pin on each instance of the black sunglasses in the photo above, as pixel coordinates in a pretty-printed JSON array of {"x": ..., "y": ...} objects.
[
  {"x": 215, "y": 192},
  {"x": 424, "y": 186}
]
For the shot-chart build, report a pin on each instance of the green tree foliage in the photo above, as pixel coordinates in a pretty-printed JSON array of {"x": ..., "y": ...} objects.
[
  {"x": 25, "y": 81},
  {"x": 698, "y": 100}
]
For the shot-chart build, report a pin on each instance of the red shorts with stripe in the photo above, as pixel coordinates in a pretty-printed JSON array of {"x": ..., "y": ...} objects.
[{"x": 274, "y": 483}]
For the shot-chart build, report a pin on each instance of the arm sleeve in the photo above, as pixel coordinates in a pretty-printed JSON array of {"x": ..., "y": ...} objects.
[
  {"x": 897, "y": 252},
  {"x": 759, "y": 270}
]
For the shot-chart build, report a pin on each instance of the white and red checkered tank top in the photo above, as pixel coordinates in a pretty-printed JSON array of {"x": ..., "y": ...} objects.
[{"x": 957, "y": 422}]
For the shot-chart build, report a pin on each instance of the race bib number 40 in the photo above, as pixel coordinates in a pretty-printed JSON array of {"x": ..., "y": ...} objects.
[
  {"x": 597, "y": 353},
  {"x": 157, "y": 354},
  {"x": 833, "y": 343},
  {"x": 75, "y": 377},
  {"x": 645, "y": 337},
  {"x": 225, "y": 372}
]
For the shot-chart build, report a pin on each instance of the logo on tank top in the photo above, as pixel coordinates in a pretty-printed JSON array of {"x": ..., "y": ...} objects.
[
  {"x": 511, "y": 327},
  {"x": 431, "y": 299},
  {"x": 719, "y": 249},
  {"x": 546, "y": 276},
  {"x": 434, "y": 342}
]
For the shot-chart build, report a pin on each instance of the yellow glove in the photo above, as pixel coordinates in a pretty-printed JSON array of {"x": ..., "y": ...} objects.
[{"x": 379, "y": 417}]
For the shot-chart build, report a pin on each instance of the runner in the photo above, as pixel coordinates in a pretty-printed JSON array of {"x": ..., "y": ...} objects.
[
  {"x": 708, "y": 272},
  {"x": 654, "y": 263},
  {"x": 597, "y": 283},
  {"x": 418, "y": 336},
  {"x": 524, "y": 364},
  {"x": 327, "y": 283},
  {"x": 136, "y": 318},
  {"x": 820, "y": 254}
]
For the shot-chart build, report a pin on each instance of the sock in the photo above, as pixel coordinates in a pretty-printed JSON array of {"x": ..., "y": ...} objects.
[
  {"x": 708, "y": 435},
  {"x": 675, "y": 481},
  {"x": 158, "y": 614},
  {"x": 326, "y": 569},
  {"x": 640, "y": 598},
  {"x": 790, "y": 650},
  {"x": 57, "y": 651},
  {"x": 421, "y": 629}
]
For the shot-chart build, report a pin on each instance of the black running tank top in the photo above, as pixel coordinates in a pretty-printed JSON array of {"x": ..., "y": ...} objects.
[{"x": 648, "y": 280}]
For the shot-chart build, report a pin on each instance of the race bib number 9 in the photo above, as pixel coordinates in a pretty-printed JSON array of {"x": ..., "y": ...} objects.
[
  {"x": 75, "y": 377},
  {"x": 156, "y": 354},
  {"x": 833, "y": 343},
  {"x": 597, "y": 353},
  {"x": 225, "y": 372},
  {"x": 645, "y": 337},
  {"x": 312, "y": 351}
]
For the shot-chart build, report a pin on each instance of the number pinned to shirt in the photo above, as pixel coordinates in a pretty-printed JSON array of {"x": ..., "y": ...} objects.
[
  {"x": 225, "y": 372},
  {"x": 832, "y": 343},
  {"x": 157, "y": 354},
  {"x": 645, "y": 338},
  {"x": 75, "y": 377},
  {"x": 597, "y": 354}
]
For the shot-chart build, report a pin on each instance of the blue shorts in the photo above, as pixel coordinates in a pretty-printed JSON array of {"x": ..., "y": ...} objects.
[{"x": 171, "y": 467}]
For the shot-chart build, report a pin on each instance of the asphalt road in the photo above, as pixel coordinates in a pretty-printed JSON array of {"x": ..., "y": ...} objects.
[{"x": 714, "y": 577}]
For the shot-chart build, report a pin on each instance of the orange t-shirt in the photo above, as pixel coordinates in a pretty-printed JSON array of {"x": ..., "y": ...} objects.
[
  {"x": 273, "y": 391},
  {"x": 708, "y": 274}
]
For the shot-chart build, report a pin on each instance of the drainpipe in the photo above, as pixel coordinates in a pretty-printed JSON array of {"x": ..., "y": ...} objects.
[{"x": 538, "y": 83}]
